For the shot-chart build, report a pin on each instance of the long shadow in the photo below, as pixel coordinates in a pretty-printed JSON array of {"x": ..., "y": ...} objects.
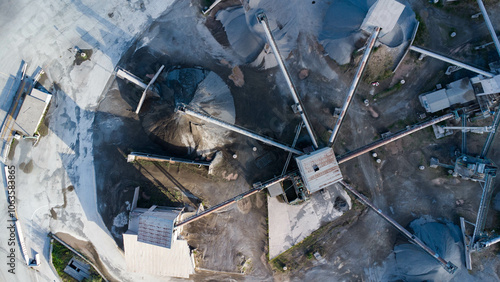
[
  {"x": 104, "y": 145},
  {"x": 192, "y": 198},
  {"x": 9, "y": 91},
  {"x": 110, "y": 30}
]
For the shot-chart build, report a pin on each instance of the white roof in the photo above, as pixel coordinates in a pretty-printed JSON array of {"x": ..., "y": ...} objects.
[
  {"x": 488, "y": 85},
  {"x": 384, "y": 14},
  {"x": 435, "y": 101},
  {"x": 150, "y": 259},
  {"x": 31, "y": 112},
  {"x": 319, "y": 169}
]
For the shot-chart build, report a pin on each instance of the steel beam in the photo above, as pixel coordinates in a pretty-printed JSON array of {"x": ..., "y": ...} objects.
[
  {"x": 489, "y": 25},
  {"x": 468, "y": 261},
  {"x": 381, "y": 142},
  {"x": 235, "y": 128},
  {"x": 450, "y": 61},
  {"x": 491, "y": 135},
  {"x": 143, "y": 97},
  {"x": 473, "y": 129},
  {"x": 297, "y": 134},
  {"x": 354, "y": 84},
  {"x": 490, "y": 242},
  {"x": 261, "y": 17},
  {"x": 483, "y": 208},
  {"x": 211, "y": 7},
  {"x": 124, "y": 74},
  {"x": 232, "y": 200},
  {"x": 450, "y": 267},
  {"x": 133, "y": 156}
]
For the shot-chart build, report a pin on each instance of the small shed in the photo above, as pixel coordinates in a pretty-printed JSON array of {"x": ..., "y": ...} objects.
[
  {"x": 435, "y": 101},
  {"x": 319, "y": 169},
  {"x": 31, "y": 113},
  {"x": 275, "y": 190},
  {"x": 77, "y": 269}
]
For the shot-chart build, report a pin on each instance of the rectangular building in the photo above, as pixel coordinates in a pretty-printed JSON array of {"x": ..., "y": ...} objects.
[
  {"x": 30, "y": 115},
  {"x": 319, "y": 169}
]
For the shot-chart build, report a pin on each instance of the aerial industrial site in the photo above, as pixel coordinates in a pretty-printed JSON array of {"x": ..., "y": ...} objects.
[{"x": 250, "y": 140}]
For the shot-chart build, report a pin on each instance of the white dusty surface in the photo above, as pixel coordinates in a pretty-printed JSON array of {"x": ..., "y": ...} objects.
[
  {"x": 44, "y": 34},
  {"x": 290, "y": 224}
]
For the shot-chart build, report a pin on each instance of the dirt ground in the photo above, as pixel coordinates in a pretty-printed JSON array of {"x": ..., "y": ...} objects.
[{"x": 228, "y": 240}]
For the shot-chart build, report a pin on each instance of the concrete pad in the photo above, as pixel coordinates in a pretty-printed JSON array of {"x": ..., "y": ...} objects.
[{"x": 290, "y": 224}]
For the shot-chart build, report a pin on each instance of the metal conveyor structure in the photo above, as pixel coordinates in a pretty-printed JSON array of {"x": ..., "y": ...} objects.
[
  {"x": 489, "y": 25},
  {"x": 134, "y": 156},
  {"x": 233, "y": 200},
  {"x": 450, "y": 61},
  {"x": 261, "y": 17},
  {"x": 384, "y": 141},
  {"x": 354, "y": 84},
  {"x": 448, "y": 266},
  {"x": 186, "y": 110}
]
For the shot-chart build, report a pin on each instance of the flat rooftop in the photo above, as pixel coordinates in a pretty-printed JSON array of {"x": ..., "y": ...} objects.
[
  {"x": 319, "y": 169},
  {"x": 31, "y": 112}
]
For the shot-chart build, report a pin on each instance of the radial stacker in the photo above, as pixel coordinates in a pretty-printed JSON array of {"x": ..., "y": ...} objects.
[{"x": 484, "y": 175}]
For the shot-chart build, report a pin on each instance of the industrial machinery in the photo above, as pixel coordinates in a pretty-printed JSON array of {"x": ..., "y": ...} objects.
[
  {"x": 478, "y": 169},
  {"x": 322, "y": 159},
  {"x": 475, "y": 168}
]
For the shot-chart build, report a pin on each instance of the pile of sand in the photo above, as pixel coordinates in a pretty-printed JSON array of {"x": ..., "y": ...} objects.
[{"x": 336, "y": 25}]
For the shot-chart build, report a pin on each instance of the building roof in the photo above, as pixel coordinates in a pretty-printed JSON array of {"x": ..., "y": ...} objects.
[
  {"x": 275, "y": 190},
  {"x": 435, "y": 101},
  {"x": 156, "y": 227},
  {"x": 486, "y": 86},
  {"x": 319, "y": 169},
  {"x": 77, "y": 269},
  {"x": 460, "y": 91},
  {"x": 384, "y": 14},
  {"x": 150, "y": 259},
  {"x": 159, "y": 252},
  {"x": 31, "y": 112}
]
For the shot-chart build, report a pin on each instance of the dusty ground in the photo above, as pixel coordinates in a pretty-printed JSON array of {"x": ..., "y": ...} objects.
[{"x": 230, "y": 239}]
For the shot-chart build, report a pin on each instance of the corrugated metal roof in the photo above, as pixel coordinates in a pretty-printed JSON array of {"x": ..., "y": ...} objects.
[
  {"x": 491, "y": 85},
  {"x": 319, "y": 169},
  {"x": 435, "y": 101},
  {"x": 156, "y": 228}
]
